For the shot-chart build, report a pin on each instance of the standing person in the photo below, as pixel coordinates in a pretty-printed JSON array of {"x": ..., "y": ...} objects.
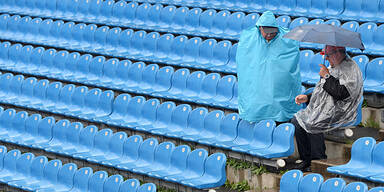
[
  {"x": 268, "y": 72},
  {"x": 333, "y": 104}
]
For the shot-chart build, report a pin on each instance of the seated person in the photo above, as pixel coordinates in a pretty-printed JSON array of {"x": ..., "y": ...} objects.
[{"x": 332, "y": 104}]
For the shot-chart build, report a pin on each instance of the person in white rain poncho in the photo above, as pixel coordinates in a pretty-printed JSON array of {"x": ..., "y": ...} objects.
[{"x": 333, "y": 104}]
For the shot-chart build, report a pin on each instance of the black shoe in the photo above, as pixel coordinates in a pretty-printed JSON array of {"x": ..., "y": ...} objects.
[{"x": 304, "y": 166}]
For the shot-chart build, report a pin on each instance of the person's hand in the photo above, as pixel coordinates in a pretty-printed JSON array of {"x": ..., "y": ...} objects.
[
  {"x": 301, "y": 99},
  {"x": 323, "y": 70}
]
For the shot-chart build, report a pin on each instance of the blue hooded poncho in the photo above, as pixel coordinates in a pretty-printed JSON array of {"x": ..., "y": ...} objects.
[{"x": 268, "y": 73}]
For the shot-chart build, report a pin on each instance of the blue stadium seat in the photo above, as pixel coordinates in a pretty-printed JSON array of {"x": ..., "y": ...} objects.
[
  {"x": 178, "y": 81},
  {"x": 224, "y": 91},
  {"x": 91, "y": 103},
  {"x": 12, "y": 31},
  {"x": 85, "y": 140},
  {"x": 65, "y": 178},
  {"x": 318, "y": 8},
  {"x": 220, "y": 54},
  {"x": 24, "y": 61},
  {"x": 21, "y": 168},
  {"x": 23, "y": 26},
  {"x": 6, "y": 80},
  {"x": 163, "y": 80},
  {"x": 195, "y": 167},
  {"x": 149, "y": 46},
  {"x": 167, "y": 16},
  {"x": 219, "y": 23},
  {"x": 146, "y": 155},
  {"x": 112, "y": 183},
  {"x": 141, "y": 14},
  {"x": 313, "y": 75},
  {"x": 261, "y": 137},
  {"x": 362, "y": 61},
  {"x": 132, "y": 112},
  {"x": 333, "y": 184},
  {"x": 54, "y": 33},
  {"x": 179, "y": 19},
  {"x": 77, "y": 100},
  {"x": 282, "y": 143},
  {"x": 231, "y": 65},
  {"x": 214, "y": 173},
  {"x": 351, "y": 25},
  {"x": 31, "y": 129},
  {"x": 35, "y": 60},
  {"x": 83, "y": 9},
  {"x": 210, "y": 129},
  {"x": 208, "y": 88},
  {"x": 302, "y": 8},
  {"x": 96, "y": 182},
  {"x": 4, "y": 47},
  {"x": 99, "y": 147},
  {"x": 298, "y": 22},
  {"x": 66, "y": 34},
  {"x": 129, "y": 185},
  {"x": 193, "y": 85},
  {"x": 36, "y": 173},
  {"x": 352, "y": 10},
  {"x": 163, "y": 116},
  {"x": 164, "y": 43},
  {"x": 147, "y": 114},
  {"x": 44, "y": 133},
  {"x": 104, "y": 107},
  {"x": 377, "y": 189},
  {"x": 58, "y": 63},
  {"x": 9, "y": 163},
  {"x": 65, "y": 99},
  {"x": 61, "y": 8},
  {"x": 378, "y": 41},
  {"x": 191, "y": 51},
  {"x": 50, "y": 177},
  {"x": 124, "y": 44},
  {"x": 112, "y": 41},
  {"x": 89, "y": 36},
  {"x": 361, "y": 153},
  {"x": 58, "y": 134},
  {"x": 374, "y": 80},
  {"x": 39, "y": 92},
  {"x": 234, "y": 23},
  {"x": 106, "y": 9},
  {"x": 129, "y": 14},
  {"x": 81, "y": 179},
  {"x": 371, "y": 169},
  {"x": 118, "y": 13},
  {"x": 119, "y": 109},
  {"x": 5, "y": 120},
  {"x": 306, "y": 57},
  {"x": 14, "y": 89},
  {"x": 134, "y": 76},
  {"x": 227, "y": 130},
  {"x": 192, "y": 20},
  {"x": 137, "y": 44},
  {"x": 334, "y": 22},
  {"x": 52, "y": 95},
  {"x": 356, "y": 187},
  {"x": 367, "y": 31},
  {"x": 205, "y": 53},
  {"x": 162, "y": 158},
  {"x": 121, "y": 73},
  {"x": 115, "y": 149},
  {"x": 17, "y": 127},
  {"x": 82, "y": 68},
  {"x": 250, "y": 20},
  {"x": 283, "y": 21},
  {"x": 177, "y": 49},
  {"x": 100, "y": 39},
  {"x": 72, "y": 8},
  {"x": 206, "y": 21},
  {"x": 96, "y": 65},
  {"x": 148, "y": 187},
  {"x": 70, "y": 66},
  {"x": 109, "y": 72},
  {"x": 46, "y": 62},
  {"x": 69, "y": 138},
  {"x": 130, "y": 151},
  {"x": 334, "y": 8},
  {"x": 13, "y": 55},
  {"x": 290, "y": 181},
  {"x": 179, "y": 120},
  {"x": 4, "y": 18},
  {"x": 311, "y": 182}
]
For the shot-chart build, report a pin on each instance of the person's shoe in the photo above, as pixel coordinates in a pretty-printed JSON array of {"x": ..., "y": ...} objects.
[{"x": 304, "y": 166}]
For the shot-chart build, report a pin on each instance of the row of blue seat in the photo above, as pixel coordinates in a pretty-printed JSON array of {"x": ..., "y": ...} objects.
[
  {"x": 293, "y": 181},
  {"x": 209, "y": 89},
  {"x": 27, "y": 172},
  {"x": 181, "y": 51},
  {"x": 371, "y": 70},
  {"x": 362, "y": 10},
  {"x": 197, "y": 125},
  {"x": 366, "y": 161},
  {"x": 164, "y": 161}
]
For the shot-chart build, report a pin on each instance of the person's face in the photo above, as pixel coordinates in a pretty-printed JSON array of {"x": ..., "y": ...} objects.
[{"x": 267, "y": 36}]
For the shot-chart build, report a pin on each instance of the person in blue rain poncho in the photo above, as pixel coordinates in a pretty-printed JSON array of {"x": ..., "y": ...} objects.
[{"x": 268, "y": 72}]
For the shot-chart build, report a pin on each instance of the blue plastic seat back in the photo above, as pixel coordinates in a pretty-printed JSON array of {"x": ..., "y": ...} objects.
[
  {"x": 142, "y": 13},
  {"x": 53, "y": 91},
  {"x": 298, "y": 22},
  {"x": 56, "y": 27},
  {"x": 89, "y": 33},
  {"x": 150, "y": 43},
  {"x": 66, "y": 92},
  {"x": 334, "y": 22},
  {"x": 163, "y": 78},
  {"x": 304, "y": 61},
  {"x": 209, "y": 86},
  {"x": 167, "y": 16},
  {"x": 60, "y": 60},
  {"x": 83, "y": 7},
  {"x": 4, "y": 49},
  {"x": 40, "y": 89},
  {"x": 79, "y": 95},
  {"x": 96, "y": 182},
  {"x": 148, "y": 111},
  {"x": 125, "y": 39},
  {"x": 15, "y": 85},
  {"x": 3, "y": 22},
  {"x": 106, "y": 9},
  {"x": 379, "y": 38},
  {"x": 148, "y": 187},
  {"x": 32, "y": 124},
  {"x": 113, "y": 37},
  {"x": 112, "y": 183},
  {"x": 6, "y": 117},
  {"x": 18, "y": 121},
  {"x": 10, "y": 160},
  {"x": 178, "y": 18},
  {"x": 81, "y": 178},
  {"x": 66, "y": 31},
  {"x": 351, "y": 25},
  {"x": 311, "y": 182},
  {"x": 96, "y": 66},
  {"x": 164, "y": 112},
  {"x": 193, "y": 19},
  {"x": 232, "y": 58},
  {"x": 228, "y": 126},
  {"x": 318, "y": 7},
  {"x": 179, "y": 79},
  {"x": 59, "y": 130},
  {"x": 37, "y": 166},
  {"x": 215, "y": 166},
  {"x": 72, "y": 7},
  {"x": 377, "y": 189},
  {"x": 302, "y": 7},
  {"x": 283, "y": 21},
  {"x": 206, "y": 51},
  {"x": 51, "y": 170},
  {"x": 334, "y": 8},
  {"x": 356, "y": 187},
  {"x": 164, "y": 45},
  {"x": 177, "y": 47},
  {"x": 135, "y": 105},
  {"x": 45, "y": 128},
  {"x": 109, "y": 68},
  {"x": 129, "y": 185},
  {"x": 82, "y": 65},
  {"x": 179, "y": 157},
  {"x": 6, "y": 80},
  {"x": 245, "y": 131},
  {"x": 234, "y": 24},
  {"x": 119, "y": 9},
  {"x": 225, "y": 87},
  {"x": 290, "y": 181},
  {"x": 191, "y": 49},
  {"x": 78, "y": 32},
  {"x": 212, "y": 122},
  {"x": 34, "y": 26},
  {"x": 26, "y": 52},
  {"x": 14, "y": 52},
  {"x": 206, "y": 20},
  {"x": 131, "y": 146},
  {"x": 13, "y": 23},
  {"x": 163, "y": 153},
  {"x": 367, "y": 30},
  {"x": 196, "y": 119},
  {"x": 66, "y": 174},
  {"x": 106, "y": 102},
  {"x": 362, "y": 61},
  {"x": 262, "y": 133},
  {"x": 72, "y": 133},
  {"x": 195, "y": 161},
  {"x": 36, "y": 56},
  {"x": 122, "y": 69},
  {"x": 116, "y": 143},
  {"x": 220, "y": 22},
  {"x": 333, "y": 184},
  {"x": 71, "y": 63},
  {"x": 3, "y": 152},
  {"x": 61, "y": 6},
  {"x": 135, "y": 72},
  {"x": 100, "y": 37},
  {"x": 120, "y": 104},
  {"x": 149, "y": 75},
  {"x": 137, "y": 41},
  {"x": 154, "y": 15},
  {"x": 316, "y": 22},
  {"x": 194, "y": 83},
  {"x": 220, "y": 54},
  {"x": 352, "y": 9},
  {"x": 250, "y": 20},
  {"x": 87, "y": 135},
  {"x": 131, "y": 11},
  {"x": 180, "y": 115},
  {"x": 147, "y": 149},
  {"x": 374, "y": 72},
  {"x": 361, "y": 151},
  {"x": 47, "y": 58},
  {"x": 102, "y": 139}
]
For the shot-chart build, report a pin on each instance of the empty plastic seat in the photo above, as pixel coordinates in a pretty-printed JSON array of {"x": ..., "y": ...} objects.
[
  {"x": 219, "y": 23},
  {"x": 302, "y": 7},
  {"x": 333, "y": 184},
  {"x": 163, "y": 116},
  {"x": 115, "y": 149},
  {"x": 311, "y": 182},
  {"x": 106, "y": 9},
  {"x": 206, "y": 21},
  {"x": 220, "y": 54},
  {"x": 234, "y": 25},
  {"x": 362, "y": 61},
  {"x": 290, "y": 181},
  {"x": 50, "y": 177},
  {"x": 81, "y": 179},
  {"x": 179, "y": 18},
  {"x": 361, "y": 153},
  {"x": 192, "y": 20},
  {"x": 377, "y": 189},
  {"x": 351, "y": 25},
  {"x": 206, "y": 53},
  {"x": 112, "y": 41},
  {"x": 374, "y": 80},
  {"x": 149, "y": 45},
  {"x": 119, "y": 109},
  {"x": 99, "y": 147},
  {"x": 283, "y": 21},
  {"x": 148, "y": 187},
  {"x": 162, "y": 158},
  {"x": 129, "y": 185},
  {"x": 356, "y": 187},
  {"x": 96, "y": 65},
  {"x": 250, "y": 20},
  {"x": 141, "y": 14},
  {"x": 298, "y": 22},
  {"x": 96, "y": 182},
  {"x": 224, "y": 91},
  {"x": 352, "y": 10},
  {"x": 167, "y": 16},
  {"x": 91, "y": 101},
  {"x": 191, "y": 51},
  {"x": 177, "y": 49},
  {"x": 65, "y": 178},
  {"x": 179, "y": 120}
]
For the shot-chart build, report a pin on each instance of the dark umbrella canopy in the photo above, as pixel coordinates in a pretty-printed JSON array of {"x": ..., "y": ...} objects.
[{"x": 326, "y": 34}]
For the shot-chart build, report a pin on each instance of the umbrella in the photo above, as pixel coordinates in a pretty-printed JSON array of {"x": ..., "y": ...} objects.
[{"x": 326, "y": 34}]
